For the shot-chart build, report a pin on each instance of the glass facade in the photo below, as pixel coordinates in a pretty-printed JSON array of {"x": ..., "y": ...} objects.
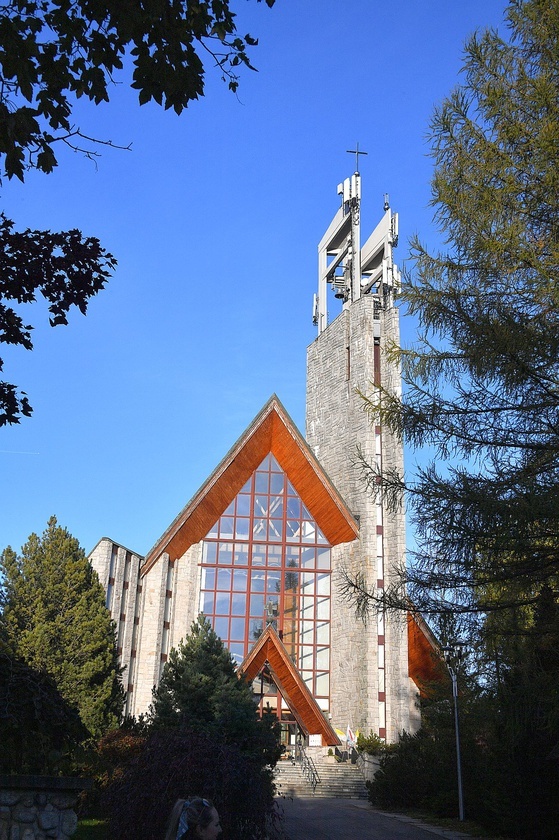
[{"x": 265, "y": 561}]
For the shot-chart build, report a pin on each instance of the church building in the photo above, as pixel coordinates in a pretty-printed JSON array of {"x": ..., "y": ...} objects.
[{"x": 260, "y": 547}]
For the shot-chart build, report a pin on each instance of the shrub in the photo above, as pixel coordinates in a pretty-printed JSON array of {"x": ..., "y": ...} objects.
[{"x": 175, "y": 764}]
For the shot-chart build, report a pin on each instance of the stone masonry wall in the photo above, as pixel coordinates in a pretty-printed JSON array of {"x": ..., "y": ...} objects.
[
  {"x": 339, "y": 364},
  {"x": 37, "y": 808}
]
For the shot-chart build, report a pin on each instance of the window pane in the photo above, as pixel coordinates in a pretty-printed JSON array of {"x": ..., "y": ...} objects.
[
  {"x": 294, "y": 508},
  {"x": 223, "y": 603},
  {"x": 225, "y": 554},
  {"x": 292, "y": 529},
  {"x": 323, "y": 584},
  {"x": 276, "y": 483},
  {"x": 255, "y": 628},
  {"x": 274, "y": 555},
  {"x": 323, "y": 560},
  {"x": 258, "y": 555},
  {"x": 237, "y": 651},
  {"x": 275, "y": 530},
  {"x": 243, "y": 504},
  {"x": 291, "y": 581},
  {"x": 240, "y": 577},
  {"x": 207, "y": 603},
  {"x": 306, "y": 657},
  {"x": 226, "y": 526},
  {"x": 259, "y": 529},
  {"x": 257, "y": 581},
  {"x": 224, "y": 579},
  {"x": 322, "y": 662},
  {"x": 272, "y": 609},
  {"x": 307, "y": 631},
  {"x": 276, "y": 507},
  {"x": 307, "y": 607},
  {"x": 308, "y": 558},
  {"x": 307, "y": 583},
  {"x": 261, "y": 482},
  {"x": 257, "y": 605},
  {"x": 309, "y": 531},
  {"x": 208, "y": 579},
  {"x": 240, "y": 555},
  {"x": 242, "y": 528},
  {"x": 292, "y": 556},
  {"x": 209, "y": 553},
  {"x": 261, "y": 505},
  {"x": 273, "y": 582},
  {"x": 221, "y": 626},
  {"x": 238, "y": 603},
  {"x": 237, "y": 629},
  {"x": 323, "y": 684},
  {"x": 323, "y": 609},
  {"x": 323, "y": 633}
]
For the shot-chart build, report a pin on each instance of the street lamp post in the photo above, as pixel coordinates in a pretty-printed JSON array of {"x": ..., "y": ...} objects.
[{"x": 450, "y": 652}]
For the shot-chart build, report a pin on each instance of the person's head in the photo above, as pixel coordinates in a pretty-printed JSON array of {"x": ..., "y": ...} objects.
[{"x": 193, "y": 819}]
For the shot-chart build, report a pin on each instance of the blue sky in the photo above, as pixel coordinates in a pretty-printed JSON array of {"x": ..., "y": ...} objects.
[{"x": 214, "y": 217}]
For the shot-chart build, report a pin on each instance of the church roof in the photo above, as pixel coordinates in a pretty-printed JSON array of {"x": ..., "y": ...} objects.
[
  {"x": 424, "y": 654},
  {"x": 271, "y": 431},
  {"x": 269, "y": 650}
]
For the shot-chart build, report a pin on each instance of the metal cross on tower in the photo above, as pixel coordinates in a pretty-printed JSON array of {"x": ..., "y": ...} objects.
[{"x": 356, "y": 152}]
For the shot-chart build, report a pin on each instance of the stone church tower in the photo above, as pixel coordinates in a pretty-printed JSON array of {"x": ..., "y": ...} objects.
[{"x": 260, "y": 546}]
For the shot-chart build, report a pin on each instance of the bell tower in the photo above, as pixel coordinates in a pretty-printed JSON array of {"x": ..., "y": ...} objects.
[{"x": 371, "y": 688}]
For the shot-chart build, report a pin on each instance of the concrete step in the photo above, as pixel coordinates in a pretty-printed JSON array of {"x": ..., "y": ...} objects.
[{"x": 343, "y": 780}]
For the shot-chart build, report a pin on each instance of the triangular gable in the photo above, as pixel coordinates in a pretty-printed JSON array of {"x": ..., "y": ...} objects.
[
  {"x": 271, "y": 431},
  {"x": 270, "y": 649},
  {"x": 424, "y": 653}
]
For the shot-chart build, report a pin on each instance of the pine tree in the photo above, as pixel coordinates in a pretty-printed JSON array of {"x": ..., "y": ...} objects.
[
  {"x": 482, "y": 383},
  {"x": 200, "y": 691},
  {"x": 54, "y": 618}
]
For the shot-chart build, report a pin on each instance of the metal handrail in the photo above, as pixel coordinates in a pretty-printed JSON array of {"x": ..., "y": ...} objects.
[{"x": 308, "y": 767}]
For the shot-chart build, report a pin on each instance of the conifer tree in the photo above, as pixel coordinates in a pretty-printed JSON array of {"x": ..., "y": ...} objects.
[
  {"x": 54, "y": 618},
  {"x": 482, "y": 382},
  {"x": 200, "y": 691}
]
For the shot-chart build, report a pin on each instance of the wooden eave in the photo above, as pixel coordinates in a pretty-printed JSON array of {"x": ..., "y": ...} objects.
[
  {"x": 271, "y": 431},
  {"x": 424, "y": 655},
  {"x": 270, "y": 650}
]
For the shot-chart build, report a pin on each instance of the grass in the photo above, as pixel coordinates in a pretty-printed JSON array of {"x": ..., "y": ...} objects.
[
  {"x": 466, "y": 827},
  {"x": 91, "y": 829}
]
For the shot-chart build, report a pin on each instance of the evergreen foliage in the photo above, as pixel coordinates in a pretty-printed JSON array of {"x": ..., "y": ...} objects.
[
  {"x": 53, "y": 617},
  {"x": 482, "y": 396},
  {"x": 178, "y": 763},
  {"x": 200, "y": 691},
  {"x": 39, "y": 731},
  {"x": 202, "y": 736},
  {"x": 482, "y": 383}
]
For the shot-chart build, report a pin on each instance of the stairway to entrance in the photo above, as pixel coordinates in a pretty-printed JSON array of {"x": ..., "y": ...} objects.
[{"x": 342, "y": 780}]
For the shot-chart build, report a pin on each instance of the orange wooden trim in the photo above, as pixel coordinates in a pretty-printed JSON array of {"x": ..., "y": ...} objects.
[
  {"x": 424, "y": 656},
  {"x": 271, "y": 431}
]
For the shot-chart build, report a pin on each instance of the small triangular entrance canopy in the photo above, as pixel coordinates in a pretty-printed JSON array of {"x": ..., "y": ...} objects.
[
  {"x": 270, "y": 650},
  {"x": 271, "y": 431}
]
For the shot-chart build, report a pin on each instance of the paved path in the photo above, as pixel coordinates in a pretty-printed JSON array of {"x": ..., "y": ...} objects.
[{"x": 347, "y": 819}]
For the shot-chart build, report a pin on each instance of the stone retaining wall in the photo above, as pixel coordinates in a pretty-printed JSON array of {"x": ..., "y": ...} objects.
[{"x": 39, "y": 807}]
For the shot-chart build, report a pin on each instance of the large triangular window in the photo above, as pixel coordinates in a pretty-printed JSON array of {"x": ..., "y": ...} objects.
[{"x": 265, "y": 561}]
